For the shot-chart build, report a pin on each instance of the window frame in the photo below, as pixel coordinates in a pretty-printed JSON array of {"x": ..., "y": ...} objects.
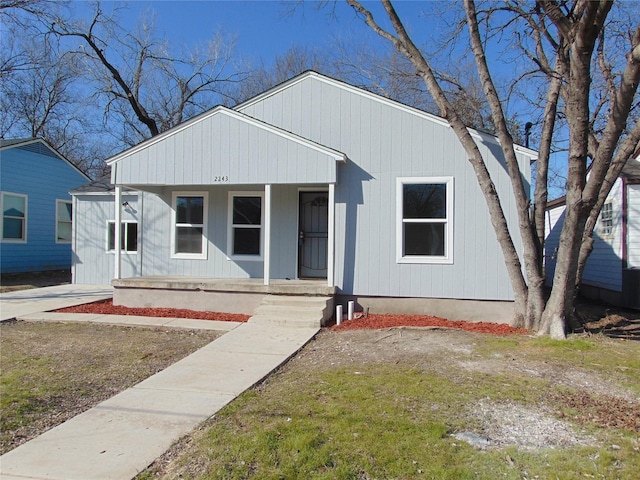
[
  {"x": 231, "y": 226},
  {"x": 126, "y": 228},
  {"x": 175, "y": 225},
  {"x": 24, "y": 220},
  {"x": 448, "y": 221},
  {"x": 58, "y": 221},
  {"x": 606, "y": 219}
]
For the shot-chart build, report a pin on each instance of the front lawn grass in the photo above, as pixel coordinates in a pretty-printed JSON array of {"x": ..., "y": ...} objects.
[
  {"x": 396, "y": 420},
  {"x": 53, "y": 371}
]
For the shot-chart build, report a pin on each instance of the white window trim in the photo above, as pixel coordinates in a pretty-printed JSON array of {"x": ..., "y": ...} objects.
[
  {"x": 230, "y": 226},
  {"x": 607, "y": 231},
  {"x": 447, "y": 258},
  {"x": 205, "y": 220},
  {"x": 58, "y": 202},
  {"x": 26, "y": 216},
  {"x": 122, "y": 252}
]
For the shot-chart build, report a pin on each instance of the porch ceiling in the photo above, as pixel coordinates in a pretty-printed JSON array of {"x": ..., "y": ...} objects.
[{"x": 226, "y": 147}]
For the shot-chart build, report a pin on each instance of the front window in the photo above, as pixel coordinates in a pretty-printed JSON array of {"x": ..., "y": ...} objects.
[
  {"x": 189, "y": 225},
  {"x": 14, "y": 217},
  {"x": 245, "y": 230},
  {"x": 63, "y": 221},
  {"x": 128, "y": 237},
  {"x": 425, "y": 220}
]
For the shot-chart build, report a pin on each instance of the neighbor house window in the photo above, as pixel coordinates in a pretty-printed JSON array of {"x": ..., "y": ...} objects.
[
  {"x": 14, "y": 217},
  {"x": 63, "y": 221},
  {"x": 606, "y": 219},
  {"x": 424, "y": 231},
  {"x": 128, "y": 237},
  {"x": 245, "y": 229},
  {"x": 189, "y": 225}
]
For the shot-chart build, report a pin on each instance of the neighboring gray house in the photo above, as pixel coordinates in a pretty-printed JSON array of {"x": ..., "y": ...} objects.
[
  {"x": 313, "y": 179},
  {"x": 612, "y": 273}
]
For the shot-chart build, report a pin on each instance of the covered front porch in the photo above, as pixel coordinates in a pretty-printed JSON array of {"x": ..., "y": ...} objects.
[{"x": 232, "y": 191}]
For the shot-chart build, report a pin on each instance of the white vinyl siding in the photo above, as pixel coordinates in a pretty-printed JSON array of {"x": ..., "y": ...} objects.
[
  {"x": 128, "y": 236},
  {"x": 604, "y": 265},
  {"x": 384, "y": 141},
  {"x": 633, "y": 226},
  {"x": 606, "y": 219},
  {"x": 64, "y": 216},
  {"x": 424, "y": 230},
  {"x": 245, "y": 230},
  {"x": 14, "y": 217},
  {"x": 189, "y": 220}
]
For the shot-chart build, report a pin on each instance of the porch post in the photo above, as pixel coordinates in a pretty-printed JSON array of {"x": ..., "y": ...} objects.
[
  {"x": 267, "y": 234},
  {"x": 117, "y": 234},
  {"x": 331, "y": 236}
]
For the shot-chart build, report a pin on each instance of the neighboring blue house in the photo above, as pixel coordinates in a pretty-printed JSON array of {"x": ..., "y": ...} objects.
[{"x": 36, "y": 228}]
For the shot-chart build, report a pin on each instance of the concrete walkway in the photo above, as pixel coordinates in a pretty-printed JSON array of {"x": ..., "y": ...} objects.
[
  {"x": 24, "y": 302},
  {"x": 121, "y": 436}
]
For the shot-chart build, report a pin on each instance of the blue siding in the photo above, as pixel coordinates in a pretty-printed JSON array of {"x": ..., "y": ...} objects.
[{"x": 43, "y": 179}]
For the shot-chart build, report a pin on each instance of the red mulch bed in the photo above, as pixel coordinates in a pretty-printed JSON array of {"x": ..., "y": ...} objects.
[
  {"x": 372, "y": 322},
  {"x": 106, "y": 307},
  {"x": 376, "y": 321}
]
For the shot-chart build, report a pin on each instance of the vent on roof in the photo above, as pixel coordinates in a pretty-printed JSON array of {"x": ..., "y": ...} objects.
[{"x": 39, "y": 148}]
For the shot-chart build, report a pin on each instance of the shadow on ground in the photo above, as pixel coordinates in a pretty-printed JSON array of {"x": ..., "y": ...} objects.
[
  {"x": 11, "y": 282},
  {"x": 614, "y": 322}
]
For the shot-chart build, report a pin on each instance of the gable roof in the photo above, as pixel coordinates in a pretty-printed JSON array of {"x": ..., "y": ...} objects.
[
  {"x": 532, "y": 154},
  {"x": 224, "y": 142},
  {"x": 38, "y": 146}
]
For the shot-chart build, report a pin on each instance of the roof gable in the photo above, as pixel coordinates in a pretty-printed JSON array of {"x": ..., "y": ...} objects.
[
  {"x": 225, "y": 146},
  {"x": 317, "y": 77},
  {"x": 39, "y": 147}
]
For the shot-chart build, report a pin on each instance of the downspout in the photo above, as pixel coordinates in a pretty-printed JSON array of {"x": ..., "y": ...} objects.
[
  {"x": 331, "y": 234},
  {"x": 267, "y": 235},
  {"x": 141, "y": 232},
  {"x": 118, "y": 220},
  {"x": 74, "y": 235},
  {"x": 625, "y": 263}
]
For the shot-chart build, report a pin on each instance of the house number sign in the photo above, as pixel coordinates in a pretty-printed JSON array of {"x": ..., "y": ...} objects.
[{"x": 220, "y": 178}]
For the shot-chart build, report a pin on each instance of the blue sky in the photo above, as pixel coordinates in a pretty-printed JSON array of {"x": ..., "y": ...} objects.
[{"x": 267, "y": 28}]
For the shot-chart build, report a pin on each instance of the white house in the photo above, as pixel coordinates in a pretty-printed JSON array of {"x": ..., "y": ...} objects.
[
  {"x": 313, "y": 187},
  {"x": 612, "y": 272}
]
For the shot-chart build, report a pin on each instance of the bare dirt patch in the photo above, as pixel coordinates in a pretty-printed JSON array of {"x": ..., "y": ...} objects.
[
  {"x": 589, "y": 397},
  {"x": 54, "y": 371}
]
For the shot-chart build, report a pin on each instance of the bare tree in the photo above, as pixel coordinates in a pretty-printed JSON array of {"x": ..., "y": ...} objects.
[
  {"x": 147, "y": 86},
  {"x": 293, "y": 62},
  {"x": 566, "y": 38}
]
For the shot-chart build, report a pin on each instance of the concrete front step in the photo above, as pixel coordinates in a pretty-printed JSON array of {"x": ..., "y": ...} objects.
[
  {"x": 295, "y": 300},
  {"x": 293, "y": 311},
  {"x": 283, "y": 321}
]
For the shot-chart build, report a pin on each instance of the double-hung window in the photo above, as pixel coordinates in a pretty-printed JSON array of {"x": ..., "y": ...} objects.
[
  {"x": 606, "y": 219},
  {"x": 14, "y": 217},
  {"x": 424, "y": 232},
  {"x": 63, "y": 221},
  {"x": 189, "y": 225},
  {"x": 128, "y": 237},
  {"x": 245, "y": 229}
]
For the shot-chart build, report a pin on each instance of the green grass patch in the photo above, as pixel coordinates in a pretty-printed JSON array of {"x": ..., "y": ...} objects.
[{"x": 395, "y": 420}]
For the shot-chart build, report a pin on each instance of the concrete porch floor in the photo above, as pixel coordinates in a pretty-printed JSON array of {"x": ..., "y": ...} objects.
[
  {"x": 242, "y": 295},
  {"x": 310, "y": 287}
]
